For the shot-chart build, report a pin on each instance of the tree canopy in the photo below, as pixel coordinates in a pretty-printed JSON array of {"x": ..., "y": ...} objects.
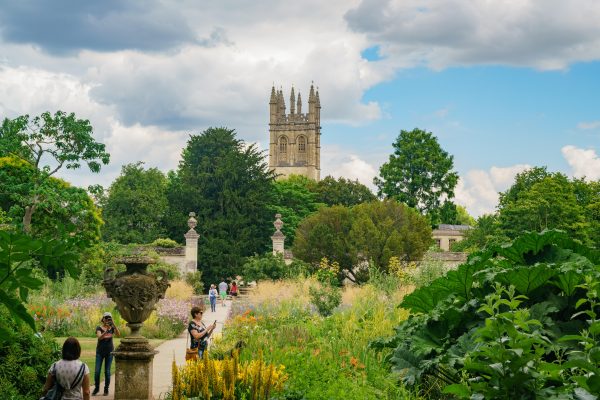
[
  {"x": 353, "y": 237},
  {"x": 136, "y": 205},
  {"x": 342, "y": 191},
  {"x": 48, "y": 143},
  {"x": 228, "y": 184},
  {"x": 419, "y": 172}
]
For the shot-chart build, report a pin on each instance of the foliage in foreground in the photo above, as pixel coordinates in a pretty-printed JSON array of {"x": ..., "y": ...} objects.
[
  {"x": 325, "y": 358},
  {"x": 25, "y": 360},
  {"x": 227, "y": 379},
  {"x": 518, "y": 321}
]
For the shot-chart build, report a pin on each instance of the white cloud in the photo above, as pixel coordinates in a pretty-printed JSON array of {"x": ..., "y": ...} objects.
[
  {"x": 588, "y": 125},
  {"x": 547, "y": 34},
  {"x": 478, "y": 190},
  {"x": 339, "y": 162},
  {"x": 583, "y": 162}
]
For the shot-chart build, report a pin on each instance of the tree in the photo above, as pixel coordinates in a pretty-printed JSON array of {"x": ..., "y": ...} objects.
[
  {"x": 453, "y": 214},
  {"x": 384, "y": 229},
  {"x": 486, "y": 232},
  {"x": 136, "y": 205},
  {"x": 228, "y": 184},
  {"x": 293, "y": 199},
  {"x": 61, "y": 208},
  {"x": 418, "y": 173},
  {"x": 49, "y": 143},
  {"x": 342, "y": 191},
  {"x": 539, "y": 200},
  {"x": 353, "y": 237},
  {"x": 326, "y": 234}
]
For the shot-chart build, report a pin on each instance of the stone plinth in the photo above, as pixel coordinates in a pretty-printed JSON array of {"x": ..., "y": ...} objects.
[
  {"x": 133, "y": 377},
  {"x": 278, "y": 237},
  {"x": 191, "y": 245}
]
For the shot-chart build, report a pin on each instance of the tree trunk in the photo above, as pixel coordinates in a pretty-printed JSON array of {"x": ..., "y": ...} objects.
[{"x": 27, "y": 218}]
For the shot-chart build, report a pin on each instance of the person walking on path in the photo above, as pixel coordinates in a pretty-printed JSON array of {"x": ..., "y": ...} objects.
[
  {"x": 223, "y": 291},
  {"x": 233, "y": 290},
  {"x": 70, "y": 372},
  {"x": 212, "y": 297},
  {"x": 104, "y": 349},
  {"x": 199, "y": 333}
]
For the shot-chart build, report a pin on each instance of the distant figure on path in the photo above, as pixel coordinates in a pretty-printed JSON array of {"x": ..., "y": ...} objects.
[
  {"x": 104, "y": 348},
  {"x": 223, "y": 291},
  {"x": 71, "y": 373},
  {"x": 234, "y": 289},
  {"x": 212, "y": 297}
]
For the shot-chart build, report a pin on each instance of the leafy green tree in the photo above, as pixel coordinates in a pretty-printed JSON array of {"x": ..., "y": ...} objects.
[
  {"x": 61, "y": 204},
  {"x": 373, "y": 231},
  {"x": 342, "y": 191},
  {"x": 228, "y": 184},
  {"x": 136, "y": 205},
  {"x": 48, "y": 143},
  {"x": 419, "y": 172},
  {"x": 293, "y": 199},
  {"x": 384, "y": 229},
  {"x": 265, "y": 267},
  {"x": 326, "y": 234},
  {"x": 486, "y": 232},
  {"x": 541, "y": 202},
  {"x": 453, "y": 214}
]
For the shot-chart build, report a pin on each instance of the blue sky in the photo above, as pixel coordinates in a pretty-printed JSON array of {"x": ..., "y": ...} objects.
[{"x": 504, "y": 85}]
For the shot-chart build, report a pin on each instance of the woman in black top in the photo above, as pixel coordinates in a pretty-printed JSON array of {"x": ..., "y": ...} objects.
[
  {"x": 199, "y": 333},
  {"x": 104, "y": 349}
]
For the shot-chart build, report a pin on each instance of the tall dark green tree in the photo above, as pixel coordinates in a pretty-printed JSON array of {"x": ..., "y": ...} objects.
[
  {"x": 228, "y": 184},
  {"x": 136, "y": 205},
  {"x": 419, "y": 173}
]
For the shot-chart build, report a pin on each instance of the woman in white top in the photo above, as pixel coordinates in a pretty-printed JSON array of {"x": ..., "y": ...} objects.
[{"x": 70, "y": 372}]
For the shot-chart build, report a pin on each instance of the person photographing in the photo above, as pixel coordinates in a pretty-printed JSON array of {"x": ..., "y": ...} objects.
[
  {"x": 199, "y": 333},
  {"x": 104, "y": 349}
]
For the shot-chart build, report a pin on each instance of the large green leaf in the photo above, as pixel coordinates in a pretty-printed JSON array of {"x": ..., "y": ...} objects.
[
  {"x": 424, "y": 299},
  {"x": 522, "y": 249},
  {"x": 527, "y": 279},
  {"x": 16, "y": 308}
]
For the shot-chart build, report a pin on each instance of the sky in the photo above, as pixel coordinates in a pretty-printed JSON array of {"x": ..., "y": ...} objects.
[{"x": 503, "y": 84}]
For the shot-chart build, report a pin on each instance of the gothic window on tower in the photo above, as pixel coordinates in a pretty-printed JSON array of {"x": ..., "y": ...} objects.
[
  {"x": 283, "y": 144},
  {"x": 301, "y": 157}
]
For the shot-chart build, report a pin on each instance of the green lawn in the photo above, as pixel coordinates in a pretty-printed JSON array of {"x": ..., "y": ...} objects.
[{"x": 88, "y": 350}]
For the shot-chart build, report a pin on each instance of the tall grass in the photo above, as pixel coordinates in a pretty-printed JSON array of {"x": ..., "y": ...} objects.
[{"x": 325, "y": 358}]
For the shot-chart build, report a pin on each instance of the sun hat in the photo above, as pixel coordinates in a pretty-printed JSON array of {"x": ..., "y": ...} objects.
[{"x": 107, "y": 314}]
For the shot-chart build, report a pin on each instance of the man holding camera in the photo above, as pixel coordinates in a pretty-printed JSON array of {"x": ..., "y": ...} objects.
[{"x": 104, "y": 349}]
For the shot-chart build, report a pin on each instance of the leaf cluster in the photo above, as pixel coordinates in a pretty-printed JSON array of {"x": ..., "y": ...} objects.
[
  {"x": 20, "y": 255},
  {"x": 492, "y": 328}
]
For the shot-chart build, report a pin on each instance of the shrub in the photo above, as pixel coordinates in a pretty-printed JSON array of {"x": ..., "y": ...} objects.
[
  {"x": 26, "y": 359},
  {"x": 166, "y": 243},
  {"x": 325, "y": 298},
  {"x": 515, "y": 321},
  {"x": 265, "y": 267},
  {"x": 194, "y": 279},
  {"x": 179, "y": 290}
]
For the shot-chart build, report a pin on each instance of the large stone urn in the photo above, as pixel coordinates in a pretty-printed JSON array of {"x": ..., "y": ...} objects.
[{"x": 135, "y": 292}]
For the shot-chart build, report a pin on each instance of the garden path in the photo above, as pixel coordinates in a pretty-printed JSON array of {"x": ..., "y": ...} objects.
[{"x": 170, "y": 349}]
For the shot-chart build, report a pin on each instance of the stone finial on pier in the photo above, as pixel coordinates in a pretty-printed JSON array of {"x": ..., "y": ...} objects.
[
  {"x": 278, "y": 237},
  {"x": 191, "y": 245}
]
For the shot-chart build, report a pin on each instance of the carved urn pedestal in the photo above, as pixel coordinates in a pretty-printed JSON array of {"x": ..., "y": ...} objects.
[{"x": 135, "y": 292}]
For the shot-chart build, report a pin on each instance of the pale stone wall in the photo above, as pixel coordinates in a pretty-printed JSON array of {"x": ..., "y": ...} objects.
[{"x": 446, "y": 235}]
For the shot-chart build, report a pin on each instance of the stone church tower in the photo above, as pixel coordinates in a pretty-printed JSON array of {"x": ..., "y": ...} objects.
[{"x": 295, "y": 138}]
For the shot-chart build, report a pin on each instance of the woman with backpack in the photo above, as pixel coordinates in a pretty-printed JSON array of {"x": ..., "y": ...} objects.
[{"x": 69, "y": 374}]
